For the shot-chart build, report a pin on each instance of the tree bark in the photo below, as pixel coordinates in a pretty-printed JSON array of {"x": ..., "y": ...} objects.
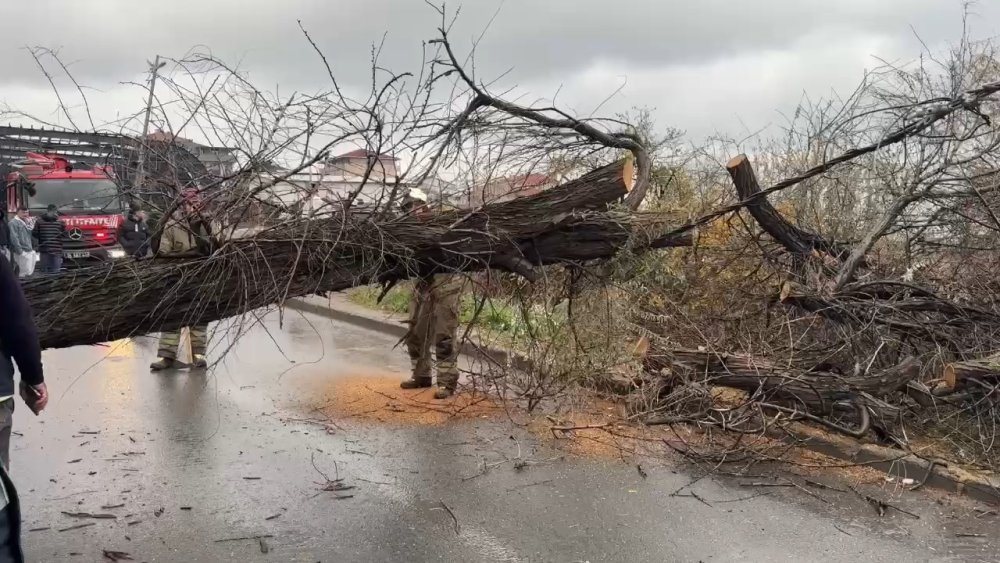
[
  {"x": 794, "y": 239},
  {"x": 815, "y": 390},
  {"x": 566, "y": 224},
  {"x": 791, "y": 390}
]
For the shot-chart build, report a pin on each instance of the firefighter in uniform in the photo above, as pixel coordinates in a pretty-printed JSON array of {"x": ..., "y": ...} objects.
[
  {"x": 186, "y": 235},
  {"x": 433, "y": 320}
]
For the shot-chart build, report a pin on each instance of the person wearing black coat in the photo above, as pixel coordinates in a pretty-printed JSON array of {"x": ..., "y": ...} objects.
[
  {"x": 18, "y": 344},
  {"x": 134, "y": 232},
  {"x": 49, "y": 231}
]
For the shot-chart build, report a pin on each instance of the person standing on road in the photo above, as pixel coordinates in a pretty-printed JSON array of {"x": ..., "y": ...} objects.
[
  {"x": 433, "y": 318},
  {"x": 5, "y": 249},
  {"x": 134, "y": 232},
  {"x": 20, "y": 243},
  {"x": 186, "y": 235},
  {"x": 49, "y": 231},
  {"x": 18, "y": 344}
]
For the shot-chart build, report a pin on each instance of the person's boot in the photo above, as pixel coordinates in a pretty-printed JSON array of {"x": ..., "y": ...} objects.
[
  {"x": 444, "y": 392},
  {"x": 415, "y": 383},
  {"x": 199, "y": 361},
  {"x": 162, "y": 364}
]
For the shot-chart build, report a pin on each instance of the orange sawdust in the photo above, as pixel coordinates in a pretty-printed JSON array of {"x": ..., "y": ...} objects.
[
  {"x": 590, "y": 427},
  {"x": 378, "y": 398},
  {"x": 595, "y": 427}
]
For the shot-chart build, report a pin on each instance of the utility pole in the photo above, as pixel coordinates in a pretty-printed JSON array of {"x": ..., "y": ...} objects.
[{"x": 154, "y": 68}]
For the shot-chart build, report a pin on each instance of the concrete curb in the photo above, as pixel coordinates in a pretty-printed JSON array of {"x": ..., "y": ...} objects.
[
  {"x": 936, "y": 475},
  {"x": 392, "y": 327},
  {"x": 897, "y": 463}
]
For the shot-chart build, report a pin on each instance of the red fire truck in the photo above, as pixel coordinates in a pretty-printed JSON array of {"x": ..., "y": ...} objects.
[{"x": 88, "y": 199}]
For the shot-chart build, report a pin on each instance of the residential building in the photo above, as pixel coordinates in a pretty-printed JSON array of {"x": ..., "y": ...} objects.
[
  {"x": 220, "y": 162},
  {"x": 357, "y": 162}
]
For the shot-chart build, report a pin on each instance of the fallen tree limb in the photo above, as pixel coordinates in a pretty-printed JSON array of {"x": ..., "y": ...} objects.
[
  {"x": 566, "y": 224},
  {"x": 794, "y": 239},
  {"x": 903, "y": 308},
  {"x": 816, "y": 390},
  {"x": 810, "y": 395}
]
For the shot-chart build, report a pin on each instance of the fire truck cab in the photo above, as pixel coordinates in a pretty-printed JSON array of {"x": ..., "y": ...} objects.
[{"x": 88, "y": 200}]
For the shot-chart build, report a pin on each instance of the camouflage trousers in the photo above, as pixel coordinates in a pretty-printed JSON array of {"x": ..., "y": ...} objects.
[
  {"x": 170, "y": 341},
  {"x": 433, "y": 320}
]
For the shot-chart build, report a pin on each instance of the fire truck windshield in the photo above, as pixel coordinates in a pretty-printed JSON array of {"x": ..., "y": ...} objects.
[{"x": 69, "y": 195}]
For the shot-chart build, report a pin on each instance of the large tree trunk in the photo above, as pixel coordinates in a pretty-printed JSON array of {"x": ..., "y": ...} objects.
[{"x": 566, "y": 224}]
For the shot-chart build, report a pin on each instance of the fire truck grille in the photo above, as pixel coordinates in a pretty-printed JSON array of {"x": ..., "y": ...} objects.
[{"x": 80, "y": 239}]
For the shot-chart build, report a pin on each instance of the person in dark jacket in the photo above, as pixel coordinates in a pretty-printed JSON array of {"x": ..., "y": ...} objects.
[
  {"x": 18, "y": 344},
  {"x": 5, "y": 249},
  {"x": 134, "y": 233},
  {"x": 49, "y": 231}
]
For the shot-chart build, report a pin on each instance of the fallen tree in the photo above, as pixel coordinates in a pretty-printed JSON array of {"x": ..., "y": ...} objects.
[{"x": 570, "y": 223}]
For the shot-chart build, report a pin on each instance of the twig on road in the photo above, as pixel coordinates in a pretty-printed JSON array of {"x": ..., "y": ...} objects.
[
  {"x": 71, "y": 495},
  {"x": 362, "y": 479},
  {"x": 77, "y": 527},
  {"x": 807, "y": 491},
  {"x": 843, "y": 531},
  {"x": 90, "y": 515},
  {"x": 819, "y": 485},
  {"x": 526, "y": 485},
  {"x": 695, "y": 496},
  {"x": 453, "y": 517},
  {"x": 245, "y": 538},
  {"x": 880, "y": 505},
  {"x": 242, "y": 538},
  {"x": 741, "y": 499}
]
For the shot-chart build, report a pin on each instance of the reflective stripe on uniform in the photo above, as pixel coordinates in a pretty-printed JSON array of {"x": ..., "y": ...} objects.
[
  {"x": 169, "y": 341},
  {"x": 199, "y": 339}
]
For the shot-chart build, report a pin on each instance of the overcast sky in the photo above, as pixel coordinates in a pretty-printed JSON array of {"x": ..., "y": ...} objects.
[{"x": 705, "y": 66}]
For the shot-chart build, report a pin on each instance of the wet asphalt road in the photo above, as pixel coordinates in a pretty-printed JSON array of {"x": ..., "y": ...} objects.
[{"x": 217, "y": 453}]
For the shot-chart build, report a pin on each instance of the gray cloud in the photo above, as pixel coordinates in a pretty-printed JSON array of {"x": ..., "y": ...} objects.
[{"x": 703, "y": 64}]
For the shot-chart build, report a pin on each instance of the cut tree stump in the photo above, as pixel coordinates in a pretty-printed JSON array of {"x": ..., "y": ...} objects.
[{"x": 987, "y": 370}]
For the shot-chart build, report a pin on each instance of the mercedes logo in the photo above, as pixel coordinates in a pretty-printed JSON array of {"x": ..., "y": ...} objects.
[{"x": 75, "y": 234}]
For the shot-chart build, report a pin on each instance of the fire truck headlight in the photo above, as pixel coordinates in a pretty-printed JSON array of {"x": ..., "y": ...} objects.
[{"x": 116, "y": 253}]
